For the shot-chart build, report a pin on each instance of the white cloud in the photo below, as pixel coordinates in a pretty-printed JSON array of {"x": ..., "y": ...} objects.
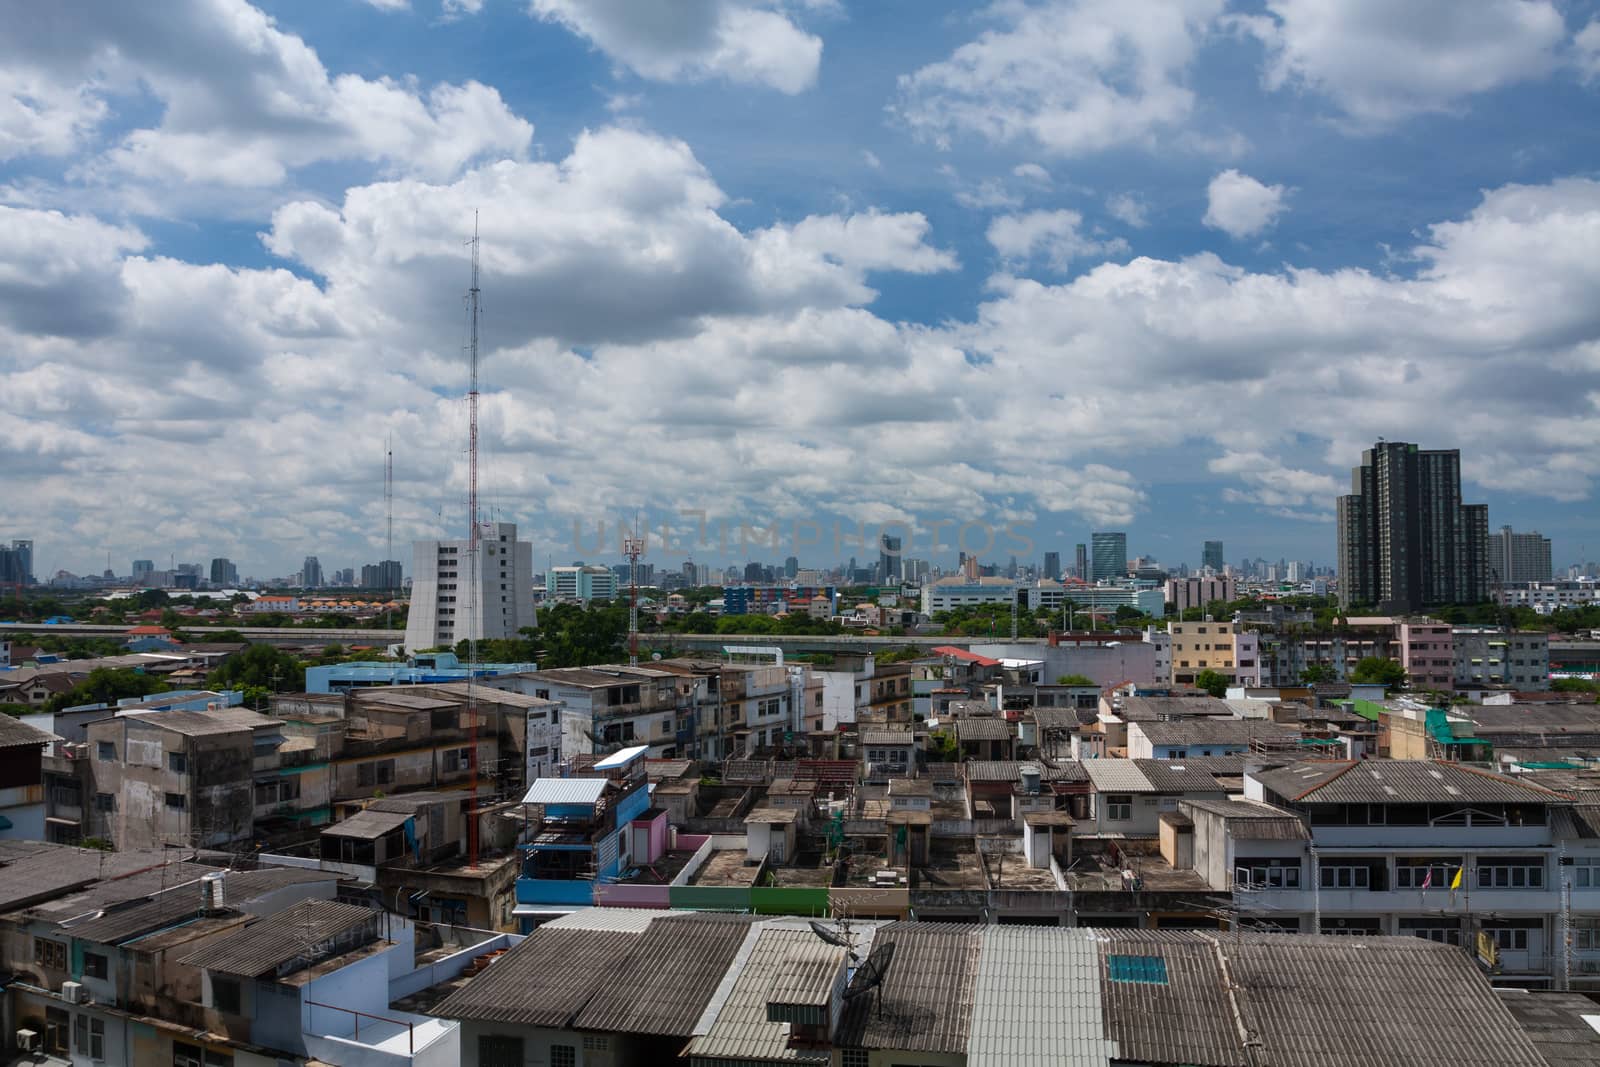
[
  {"x": 988, "y": 194},
  {"x": 1069, "y": 76},
  {"x": 749, "y": 42},
  {"x": 1241, "y": 206},
  {"x": 390, "y": 5},
  {"x": 1031, "y": 172},
  {"x": 242, "y": 103},
  {"x": 1381, "y": 61},
  {"x": 1275, "y": 487},
  {"x": 1054, "y": 235},
  {"x": 1587, "y": 47},
  {"x": 870, "y": 158},
  {"x": 1129, "y": 209}
]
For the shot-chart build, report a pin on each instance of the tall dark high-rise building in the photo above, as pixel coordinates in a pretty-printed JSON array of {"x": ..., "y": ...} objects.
[
  {"x": 1211, "y": 556},
  {"x": 1110, "y": 555},
  {"x": 791, "y": 566},
  {"x": 889, "y": 571},
  {"x": 311, "y": 573},
  {"x": 1052, "y": 566},
  {"x": 1081, "y": 562},
  {"x": 382, "y": 575},
  {"x": 223, "y": 573},
  {"x": 1406, "y": 541}
]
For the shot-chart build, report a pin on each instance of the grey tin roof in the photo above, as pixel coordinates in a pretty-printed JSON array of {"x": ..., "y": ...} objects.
[
  {"x": 741, "y": 1031},
  {"x": 926, "y": 1002},
  {"x": 544, "y": 981},
  {"x": 270, "y": 942},
  {"x": 1036, "y": 1000},
  {"x": 668, "y": 977}
]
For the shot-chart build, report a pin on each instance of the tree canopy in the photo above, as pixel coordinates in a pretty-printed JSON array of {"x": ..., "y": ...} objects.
[
  {"x": 1212, "y": 682},
  {"x": 106, "y": 685},
  {"x": 1379, "y": 670}
]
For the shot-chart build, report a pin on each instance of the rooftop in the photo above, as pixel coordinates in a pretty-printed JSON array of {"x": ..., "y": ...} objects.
[
  {"x": 204, "y": 723},
  {"x": 274, "y": 940},
  {"x": 1397, "y": 782}
]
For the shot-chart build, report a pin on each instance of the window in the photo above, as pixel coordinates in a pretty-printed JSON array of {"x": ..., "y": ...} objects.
[
  {"x": 377, "y": 772},
  {"x": 225, "y": 995},
  {"x": 177, "y": 763},
  {"x": 105, "y": 802},
  {"x": 563, "y": 1056},
  {"x": 498, "y": 1050},
  {"x": 51, "y": 954},
  {"x": 1586, "y": 873},
  {"x": 280, "y": 790},
  {"x": 186, "y": 1055},
  {"x": 1119, "y": 807},
  {"x": 94, "y": 965},
  {"x": 457, "y": 758},
  {"x": 177, "y": 801},
  {"x": 105, "y": 751},
  {"x": 1516, "y": 940},
  {"x": 216, "y": 1058},
  {"x": 1518, "y": 872},
  {"x": 91, "y": 1037},
  {"x": 596, "y": 1043},
  {"x": 56, "y": 1024},
  {"x": 855, "y": 1057},
  {"x": 1346, "y": 877},
  {"x": 1268, "y": 873},
  {"x": 1414, "y": 874}
]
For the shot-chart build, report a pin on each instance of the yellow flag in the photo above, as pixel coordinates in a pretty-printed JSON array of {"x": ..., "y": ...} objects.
[{"x": 1455, "y": 883}]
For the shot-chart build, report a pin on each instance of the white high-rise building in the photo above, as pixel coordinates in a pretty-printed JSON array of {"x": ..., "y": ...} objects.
[{"x": 444, "y": 578}]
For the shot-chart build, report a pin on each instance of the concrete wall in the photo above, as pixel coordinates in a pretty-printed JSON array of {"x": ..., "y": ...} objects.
[{"x": 1130, "y": 660}]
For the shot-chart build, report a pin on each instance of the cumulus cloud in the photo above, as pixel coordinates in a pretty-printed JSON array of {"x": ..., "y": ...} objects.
[
  {"x": 241, "y": 103},
  {"x": 1129, "y": 209},
  {"x": 750, "y": 42},
  {"x": 1068, "y": 76},
  {"x": 1276, "y": 488},
  {"x": 1381, "y": 62},
  {"x": 1587, "y": 48},
  {"x": 1240, "y": 206},
  {"x": 1054, "y": 235}
]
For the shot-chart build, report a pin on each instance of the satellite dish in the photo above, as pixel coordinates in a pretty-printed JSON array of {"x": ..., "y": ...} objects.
[
  {"x": 655, "y": 655},
  {"x": 830, "y": 935},
  {"x": 870, "y": 974}
]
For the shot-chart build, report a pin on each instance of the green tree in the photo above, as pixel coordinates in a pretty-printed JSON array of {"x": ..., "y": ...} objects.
[
  {"x": 1212, "y": 682},
  {"x": 1317, "y": 673},
  {"x": 943, "y": 747},
  {"x": 1376, "y": 670},
  {"x": 264, "y": 667},
  {"x": 1074, "y": 679},
  {"x": 1574, "y": 685},
  {"x": 106, "y": 686}
]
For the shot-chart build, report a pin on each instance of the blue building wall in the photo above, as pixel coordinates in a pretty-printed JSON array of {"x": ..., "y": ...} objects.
[{"x": 340, "y": 677}]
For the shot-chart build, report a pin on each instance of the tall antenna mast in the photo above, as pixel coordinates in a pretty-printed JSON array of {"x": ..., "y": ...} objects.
[
  {"x": 474, "y": 567},
  {"x": 388, "y": 498},
  {"x": 633, "y": 548}
]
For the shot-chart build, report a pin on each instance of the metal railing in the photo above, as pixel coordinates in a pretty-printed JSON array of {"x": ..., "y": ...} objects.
[{"x": 411, "y": 1036}]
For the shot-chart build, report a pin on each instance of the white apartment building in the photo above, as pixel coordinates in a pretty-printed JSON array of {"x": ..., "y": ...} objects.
[
  {"x": 1548, "y": 597},
  {"x": 456, "y": 597},
  {"x": 580, "y": 583},
  {"x": 947, "y": 594}
]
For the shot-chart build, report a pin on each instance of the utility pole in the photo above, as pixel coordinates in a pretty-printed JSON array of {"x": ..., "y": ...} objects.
[{"x": 474, "y": 570}]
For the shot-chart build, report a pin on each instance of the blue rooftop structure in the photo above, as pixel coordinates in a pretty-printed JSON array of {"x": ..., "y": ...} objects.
[{"x": 421, "y": 669}]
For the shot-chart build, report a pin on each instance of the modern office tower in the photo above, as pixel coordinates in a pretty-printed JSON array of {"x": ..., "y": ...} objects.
[
  {"x": 456, "y": 598},
  {"x": 1110, "y": 555},
  {"x": 889, "y": 571},
  {"x": 1519, "y": 557},
  {"x": 1052, "y": 566},
  {"x": 223, "y": 572},
  {"x": 1211, "y": 556},
  {"x": 383, "y": 575},
  {"x": 579, "y": 582},
  {"x": 23, "y": 553},
  {"x": 143, "y": 569},
  {"x": 311, "y": 573},
  {"x": 1406, "y": 542},
  {"x": 791, "y": 567},
  {"x": 1081, "y": 562},
  {"x": 915, "y": 570}
]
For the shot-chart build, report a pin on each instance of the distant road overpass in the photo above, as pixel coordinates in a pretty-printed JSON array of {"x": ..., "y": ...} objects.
[{"x": 271, "y": 635}]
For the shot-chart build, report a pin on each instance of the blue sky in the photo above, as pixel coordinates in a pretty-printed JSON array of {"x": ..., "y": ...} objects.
[{"x": 1068, "y": 264}]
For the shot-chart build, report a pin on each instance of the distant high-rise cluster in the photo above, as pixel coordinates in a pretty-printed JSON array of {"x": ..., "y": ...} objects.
[
  {"x": 1406, "y": 541},
  {"x": 1110, "y": 555}
]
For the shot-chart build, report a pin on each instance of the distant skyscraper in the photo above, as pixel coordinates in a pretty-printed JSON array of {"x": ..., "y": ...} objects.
[
  {"x": 1081, "y": 562},
  {"x": 1519, "y": 557},
  {"x": 1110, "y": 555},
  {"x": 454, "y": 599},
  {"x": 24, "y": 553},
  {"x": 383, "y": 575},
  {"x": 311, "y": 573},
  {"x": 1211, "y": 556},
  {"x": 1052, "y": 566},
  {"x": 791, "y": 567},
  {"x": 889, "y": 571},
  {"x": 223, "y": 573},
  {"x": 142, "y": 569},
  {"x": 1406, "y": 542}
]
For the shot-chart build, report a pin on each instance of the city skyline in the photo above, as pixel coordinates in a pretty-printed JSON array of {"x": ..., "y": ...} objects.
[{"x": 817, "y": 259}]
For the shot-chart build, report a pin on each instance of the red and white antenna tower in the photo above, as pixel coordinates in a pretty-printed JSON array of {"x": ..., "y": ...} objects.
[
  {"x": 474, "y": 610},
  {"x": 633, "y": 548}
]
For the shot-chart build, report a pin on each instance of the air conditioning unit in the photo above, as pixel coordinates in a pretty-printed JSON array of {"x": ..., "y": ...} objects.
[
  {"x": 27, "y": 1041},
  {"x": 74, "y": 993}
]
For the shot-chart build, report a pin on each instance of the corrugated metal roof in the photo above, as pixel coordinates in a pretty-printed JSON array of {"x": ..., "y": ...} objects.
[
  {"x": 544, "y": 981},
  {"x": 887, "y": 737},
  {"x": 1250, "y": 820},
  {"x": 1177, "y": 776},
  {"x": 617, "y": 920},
  {"x": 1555, "y": 1023},
  {"x": 32, "y": 871},
  {"x": 1386, "y": 781},
  {"x": 621, "y": 758},
  {"x": 368, "y": 824},
  {"x": 1184, "y": 1017},
  {"x": 984, "y": 730},
  {"x": 1212, "y": 730},
  {"x": 15, "y": 732},
  {"x": 565, "y": 791},
  {"x": 741, "y": 1031},
  {"x": 1036, "y": 1000},
  {"x": 136, "y": 917},
  {"x": 277, "y": 939},
  {"x": 668, "y": 977},
  {"x": 925, "y": 1003},
  {"x": 1401, "y": 1002},
  {"x": 1117, "y": 776}
]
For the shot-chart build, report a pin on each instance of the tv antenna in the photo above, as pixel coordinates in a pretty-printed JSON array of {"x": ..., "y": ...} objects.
[
  {"x": 840, "y": 937},
  {"x": 633, "y": 548},
  {"x": 474, "y": 570}
]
